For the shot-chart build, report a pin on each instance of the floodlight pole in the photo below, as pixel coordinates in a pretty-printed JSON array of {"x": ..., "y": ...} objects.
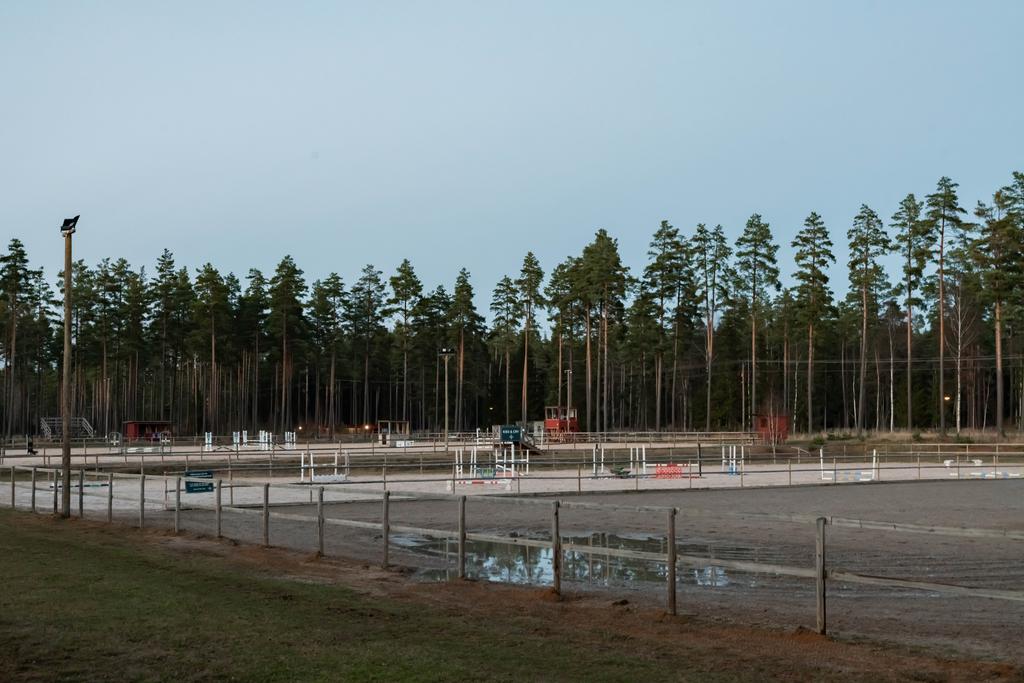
[{"x": 65, "y": 432}]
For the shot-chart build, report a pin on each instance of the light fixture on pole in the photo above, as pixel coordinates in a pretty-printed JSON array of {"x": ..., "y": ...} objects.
[
  {"x": 67, "y": 229},
  {"x": 446, "y": 353}
]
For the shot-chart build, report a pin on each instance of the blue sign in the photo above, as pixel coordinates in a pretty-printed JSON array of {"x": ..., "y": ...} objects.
[
  {"x": 511, "y": 434},
  {"x": 198, "y": 486}
]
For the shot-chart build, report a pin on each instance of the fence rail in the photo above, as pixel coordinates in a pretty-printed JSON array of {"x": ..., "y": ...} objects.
[{"x": 820, "y": 572}]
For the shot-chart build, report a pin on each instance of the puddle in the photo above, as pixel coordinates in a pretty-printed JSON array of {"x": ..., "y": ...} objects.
[{"x": 518, "y": 564}]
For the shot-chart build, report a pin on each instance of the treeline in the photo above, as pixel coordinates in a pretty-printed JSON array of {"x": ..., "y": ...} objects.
[{"x": 704, "y": 337}]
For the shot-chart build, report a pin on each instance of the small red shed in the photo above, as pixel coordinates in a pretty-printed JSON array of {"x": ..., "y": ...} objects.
[
  {"x": 145, "y": 430},
  {"x": 772, "y": 428}
]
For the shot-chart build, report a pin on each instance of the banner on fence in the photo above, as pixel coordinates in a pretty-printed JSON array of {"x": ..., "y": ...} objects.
[{"x": 199, "y": 486}]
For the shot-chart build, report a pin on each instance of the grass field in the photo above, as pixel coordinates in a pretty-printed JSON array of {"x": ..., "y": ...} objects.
[{"x": 81, "y": 601}]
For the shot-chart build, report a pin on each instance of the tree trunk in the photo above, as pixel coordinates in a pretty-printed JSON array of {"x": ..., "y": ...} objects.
[
  {"x": 999, "y": 368},
  {"x": 589, "y": 370},
  {"x": 526, "y": 358},
  {"x": 863, "y": 358},
  {"x": 942, "y": 330},
  {"x": 810, "y": 378}
]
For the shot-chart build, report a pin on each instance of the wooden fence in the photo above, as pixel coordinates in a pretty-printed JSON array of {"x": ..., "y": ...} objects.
[{"x": 821, "y": 572}]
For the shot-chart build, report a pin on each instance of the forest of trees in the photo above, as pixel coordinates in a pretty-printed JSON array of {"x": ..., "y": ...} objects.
[{"x": 702, "y": 339}]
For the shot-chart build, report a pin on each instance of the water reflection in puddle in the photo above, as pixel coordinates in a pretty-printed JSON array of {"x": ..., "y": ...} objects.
[{"x": 519, "y": 564}]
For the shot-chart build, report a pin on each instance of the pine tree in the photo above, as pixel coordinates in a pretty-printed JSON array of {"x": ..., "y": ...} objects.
[
  {"x": 162, "y": 294},
  {"x": 431, "y": 332},
  {"x": 643, "y": 333},
  {"x": 564, "y": 316},
  {"x": 711, "y": 259},
  {"x": 17, "y": 291},
  {"x": 868, "y": 242},
  {"x": 964, "y": 302},
  {"x": 286, "y": 322},
  {"x": 758, "y": 275},
  {"x": 467, "y": 326},
  {"x": 366, "y": 311},
  {"x": 251, "y": 333},
  {"x": 507, "y": 310},
  {"x": 913, "y": 239},
  {"x": 406, "y": 289},
  {"x": 212, "y": 316},
  {"x": 529, "y": 282},
  {"x": 813, "y": 246},
  {"x": 999, "y": 255},
  {"x": 943, "y": 215},
  {"x": 603, "y": 282},
  {"x": 663, "y": 279},
  {"x": 326, "y": 308}
]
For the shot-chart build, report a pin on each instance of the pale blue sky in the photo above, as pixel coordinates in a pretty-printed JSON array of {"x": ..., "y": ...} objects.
[{"x": 465, "y": 133}]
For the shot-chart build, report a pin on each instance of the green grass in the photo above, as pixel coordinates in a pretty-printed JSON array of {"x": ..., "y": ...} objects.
[
  {"x": 83, "y": 602},
  {"x": 80, "y": 604}
]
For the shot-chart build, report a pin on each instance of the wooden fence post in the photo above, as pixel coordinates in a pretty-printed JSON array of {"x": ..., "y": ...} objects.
[
  {"x": 556, "y": 550},
  {"x": 671, "y": 562},
  {"x": 386, "y": 527},
  {"x": 142, "y": 501},
  {"x": 177, "y": 504},
  {"x": 320, "y": 522},
  {"x": 81, "y": 492},
  {"x": 217, "y": 506},
  {"x": 14, "y": 501},
  {"x": 819, "y": 570},
  {"x": 110, "y": 497},
  {"x": 790, "y": 462},
  {"x": 266, "y": 514},
  {"x": 56, "y": 474},
  {"x": 462, "y": 537}
]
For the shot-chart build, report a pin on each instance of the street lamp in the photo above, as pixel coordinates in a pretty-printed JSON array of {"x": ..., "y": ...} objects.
[
  {"x": 67, "y": 229},
  {"x": 446, "y": 353}
]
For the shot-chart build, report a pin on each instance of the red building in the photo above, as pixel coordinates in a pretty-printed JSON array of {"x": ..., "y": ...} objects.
[
  {"x": 560, "y": 420},
  {"x": 145, "y": 430},
  {"x": 773, "y": 429}
]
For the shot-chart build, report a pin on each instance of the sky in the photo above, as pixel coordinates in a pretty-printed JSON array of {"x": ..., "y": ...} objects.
[{"x": 463, "y": 134}]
